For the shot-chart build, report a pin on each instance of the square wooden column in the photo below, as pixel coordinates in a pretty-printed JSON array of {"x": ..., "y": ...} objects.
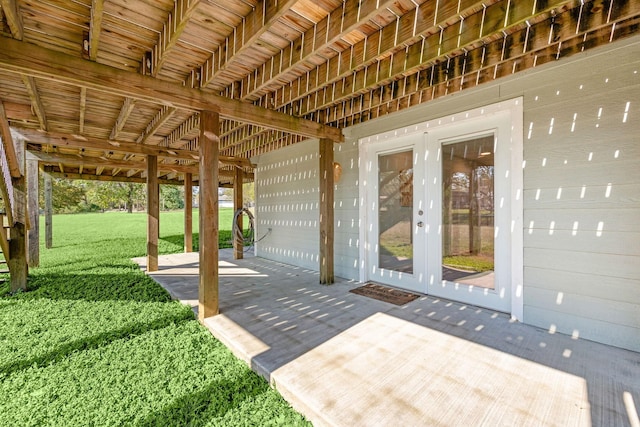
[
  {"x": 48, "y": 211},
  {"x": 153, "y": 213},
  {"x": 33, "y": 235},
  {"x": 17, "y": 261},
  {"x": 325, "y": 151},
  {"x": 208, "y": 285},
  {"x": 188, "y": 213},
  {"x": 238, "y": 240}
]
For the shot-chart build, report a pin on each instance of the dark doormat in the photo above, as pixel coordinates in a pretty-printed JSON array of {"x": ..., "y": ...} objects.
[{"x": 384, "y": 293}]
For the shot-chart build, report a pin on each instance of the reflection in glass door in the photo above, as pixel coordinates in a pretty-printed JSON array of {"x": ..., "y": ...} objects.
[
  {"x": 395, "y": 211},
  {"x": 468, "y": 212}
]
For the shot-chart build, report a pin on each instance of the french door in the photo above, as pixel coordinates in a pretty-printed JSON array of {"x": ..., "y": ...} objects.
[
  {"x": 395, "y": 234},
  {"x": 440, "y": 210}
]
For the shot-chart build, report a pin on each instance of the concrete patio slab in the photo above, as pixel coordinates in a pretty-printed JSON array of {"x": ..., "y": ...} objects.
[{"x": 347, "y": 360}]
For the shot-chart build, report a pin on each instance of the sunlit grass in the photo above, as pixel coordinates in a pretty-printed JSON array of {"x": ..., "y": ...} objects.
[
  {"x": 97, "y": 342},
  {"x": 477, "y": 263}
]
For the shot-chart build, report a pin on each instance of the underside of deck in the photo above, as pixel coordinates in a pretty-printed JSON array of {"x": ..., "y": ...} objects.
[{"x": 343, "y": 359}]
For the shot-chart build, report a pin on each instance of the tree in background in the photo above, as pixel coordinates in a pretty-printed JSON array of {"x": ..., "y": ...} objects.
[
  {"x": 116, "y": 195},
  {"x": 171, "y": 197},
  {"x": 67, "y": 195}
]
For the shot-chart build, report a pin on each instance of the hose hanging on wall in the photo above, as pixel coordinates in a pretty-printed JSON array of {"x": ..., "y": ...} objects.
[{"x": 238, "y": 232}]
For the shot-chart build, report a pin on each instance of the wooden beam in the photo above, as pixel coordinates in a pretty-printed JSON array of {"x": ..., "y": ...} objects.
[
  {"x": 14, "y": 19},
  {"x": 90, "y": 143},
  {"x": 253, "y": 26},
  {"x": 50, "y": 170},
  {"x": 208, "y": 304},
  {"x": 102, "y": 163},
  {"x": 153, "y": 213},
  {"x": 188, "y": 213},
  {"x": 95, "y": 27},
  {"x": 48, "y": 211},
  {"x": 125, "y": 112},
  {"x": 325, "y": 151},
  {"x": 33, "y": 209},
  {"x": 83, "y": 108},
  {"x": 156, "y": 123},
  {"x": 7, "y": 144},
  {"x": 238, "y": 240},
  {"x": 26, "y": 58},
  {"x": 36, "y": 102}
]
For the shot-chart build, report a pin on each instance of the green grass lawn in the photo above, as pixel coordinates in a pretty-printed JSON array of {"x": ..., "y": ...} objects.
[{"x": 96, "y": 342}]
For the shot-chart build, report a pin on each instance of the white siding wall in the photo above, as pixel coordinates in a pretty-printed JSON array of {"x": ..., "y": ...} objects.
[
  {"x": 287, "y": 186},
  {"x": 581, "y": 197},
  {"x": 347, "y": 220}
]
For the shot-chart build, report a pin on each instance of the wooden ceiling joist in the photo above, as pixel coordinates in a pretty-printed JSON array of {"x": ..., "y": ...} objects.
[
  {"x": 189, "y": 126},
  {"x": 171, "y": 31},
  {"x": 320, "y": 37},
  {"x": 406, "y": 38},
  {"x": 125, "y": 111},
  {"x": 36, "y": 102},
  {"x": 158, "y": 120},
  {"x": 12, "y": 15},
  {"x": 485, "y": 63},
  {"x": 39, "y": 62},
  {"x": 83, "y": 109},
  {"x": 263, "y": 16},
  {"x": 95, "y": 27}
]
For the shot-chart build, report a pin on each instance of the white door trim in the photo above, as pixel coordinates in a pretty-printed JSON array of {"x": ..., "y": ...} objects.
[{"x": 513, "y": 108}]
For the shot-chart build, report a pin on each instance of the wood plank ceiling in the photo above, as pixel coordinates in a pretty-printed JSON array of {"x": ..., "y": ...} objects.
[{"x": 96, "y": 85}]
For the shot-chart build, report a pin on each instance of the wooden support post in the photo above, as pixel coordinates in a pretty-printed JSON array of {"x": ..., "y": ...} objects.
[
  {"x": 153, "y": 213},
  {"x": 326, "y": 211},
  {"x": 48, "y": 211},
  {"x": 17, "y": 261},
  {"x": 34, "y": 213},
  {"x": 188, "y": 212},
  {"x": 238, "y": 240},
  {"x": 208, "y": 287}
]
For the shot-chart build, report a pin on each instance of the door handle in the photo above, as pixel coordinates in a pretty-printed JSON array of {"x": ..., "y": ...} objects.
[{"x": 420, "y": 224}]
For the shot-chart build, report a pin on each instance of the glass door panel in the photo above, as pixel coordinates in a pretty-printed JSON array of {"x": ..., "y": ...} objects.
[
  {"x": 395, "y": 211},
  {"x": 468, "y": 212}
]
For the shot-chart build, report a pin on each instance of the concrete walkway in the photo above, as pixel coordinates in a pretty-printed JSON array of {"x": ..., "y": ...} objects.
[{"x": 346, "y": 360}]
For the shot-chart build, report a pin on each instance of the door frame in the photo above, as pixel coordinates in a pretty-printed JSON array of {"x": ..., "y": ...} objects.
[
  {"x": 510, "y": 110},
  {"x": 414, "y": 281}
]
